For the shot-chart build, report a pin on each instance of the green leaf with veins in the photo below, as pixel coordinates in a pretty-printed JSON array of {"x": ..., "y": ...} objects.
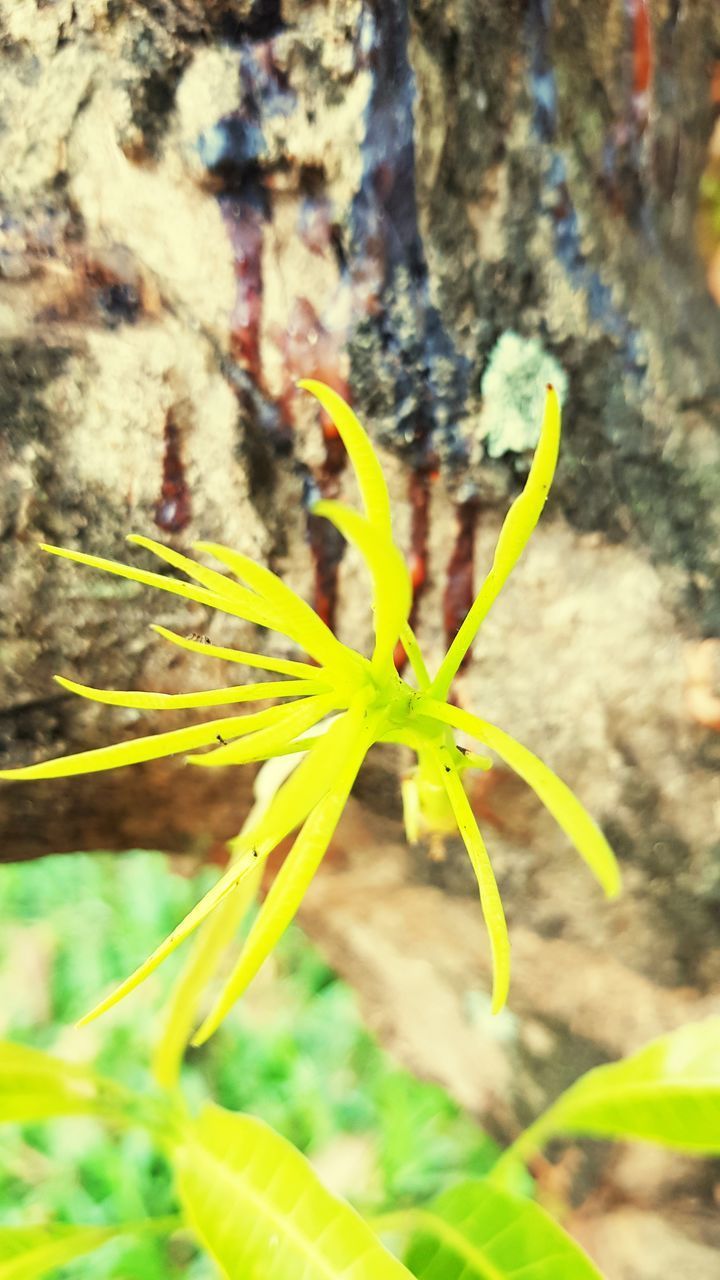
[
  {"x": 477, "y": 1231},
  {"x": 667, "y": 1093},
  {"x": 27, "y": 1253},
  {"x": 37, "y": 1086},
  {"x": 263, "y": 1214}
]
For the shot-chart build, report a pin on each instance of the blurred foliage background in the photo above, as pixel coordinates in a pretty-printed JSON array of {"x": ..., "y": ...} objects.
[{"x": 294, "y": 1052}]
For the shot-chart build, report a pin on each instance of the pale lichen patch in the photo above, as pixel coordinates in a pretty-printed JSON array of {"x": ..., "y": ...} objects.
[{"x": 513, "y": 390}]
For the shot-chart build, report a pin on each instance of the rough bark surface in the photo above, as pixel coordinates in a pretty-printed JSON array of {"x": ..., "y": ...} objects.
[{"x": 433, "y": 205}]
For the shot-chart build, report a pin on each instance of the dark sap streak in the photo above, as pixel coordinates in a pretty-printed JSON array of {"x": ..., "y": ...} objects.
[
  {"x": 419, "y": 497},
  {"x": 244, "y": 217},
  {"x": 459, "y": 591},
  {"x": 327, "y": 549},
  {"x": 387, "y": 263},
  {"x": 172, "y": 512},
  {"x": 389, "y": 277},
  {"x": 625, "y": 152},
  {"x": 382, "y": 263},
  {"x": 234, "y": 153},
  {"x": 667, "y": 134}
]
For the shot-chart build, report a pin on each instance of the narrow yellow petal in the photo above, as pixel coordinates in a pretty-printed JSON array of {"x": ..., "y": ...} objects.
[
  {"x": 302, "y": 790},
  {"x": 292, "y": 803},
  {"x": 366, "y": 465},
  {"x": 490, "y": 899},
  {"x": 291, "y": 882},
  {"x": 134, "y": 752},
  {"x": 215, "y": 582},
  {"x": 475, "y": 761},
  {"x": 300, "y": 745},
  {"x": 298, "y": 620},
  {"x": 233, "y": 875},
  {"x": 566, "y": 809},
  {"x": 268, "y": 690},
  {"x": 392, "y": 589},
  {"x": 412, "y": 815},
  {"x": 527, "y": 508},
  {"x": 409, "y": 642},
  {"x": 519, "y": 523},
  {"x": 180, "y": 1012},
  {"x": 376, "y": 501},
  {"x": 283, "y": 666},
  {"x": 208, "y": 950},
  {"x": 119, "y": 570},
  {"x": 277, "y": 911},
  {"x": 287, "y": 723},
  {"x": 252, "y": 613}
]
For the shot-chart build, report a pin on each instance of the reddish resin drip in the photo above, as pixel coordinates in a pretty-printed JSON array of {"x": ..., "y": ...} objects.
[
  {"x": 327, "y": 550},
  {"x": 419, "y": 498},
  {"x": 626, "y": 156},
  {"x": 326, "y": 544},
  {"x": 244, "y": 222},
  {"x": 459, "y": 591},
  {"x": 172, "y": 512},
  {"x": 311, "y": 351},
  {"x": 642, "y": 46},
  {"x": 642, "y": 58}
]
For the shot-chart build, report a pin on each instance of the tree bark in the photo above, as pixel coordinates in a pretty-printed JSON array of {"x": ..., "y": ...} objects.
[{"x": 434, "y": 207}]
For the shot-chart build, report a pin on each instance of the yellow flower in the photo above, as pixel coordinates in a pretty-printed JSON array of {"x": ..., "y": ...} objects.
[{"x": 332, "y": 713}]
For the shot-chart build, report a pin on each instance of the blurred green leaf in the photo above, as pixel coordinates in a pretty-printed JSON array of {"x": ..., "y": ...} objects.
[
  {"x": 426, "y": 1142},
  {"x": 668, "y": 1093},
  {"x": 27, "y": 1252},
  {"x": 35, "y": 1086},
  {"x": 477, "y": 1231},
  {"x": 261, "y": 1211}
]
